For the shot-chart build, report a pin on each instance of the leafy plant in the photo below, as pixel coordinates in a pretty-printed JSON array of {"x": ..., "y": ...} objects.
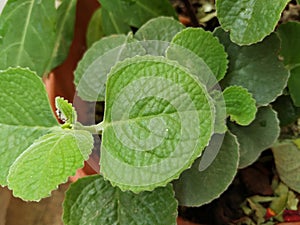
[{"x": 169, "y": 130}]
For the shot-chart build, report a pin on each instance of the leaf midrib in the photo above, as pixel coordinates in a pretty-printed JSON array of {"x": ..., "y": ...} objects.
[{"x": 21, "y": 49}]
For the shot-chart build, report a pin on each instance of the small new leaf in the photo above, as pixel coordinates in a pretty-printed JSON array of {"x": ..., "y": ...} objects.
[
  {"x": 240, "y": 105},
  {"x": 65, "y": 112}
]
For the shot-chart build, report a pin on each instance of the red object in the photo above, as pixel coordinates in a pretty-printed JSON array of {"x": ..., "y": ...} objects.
[
  {"x": 291, "y": 215},
  {"x": 269, "y": 214}
]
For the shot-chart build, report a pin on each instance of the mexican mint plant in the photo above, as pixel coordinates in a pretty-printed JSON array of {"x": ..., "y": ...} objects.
[{"x": 185, "y": 108}]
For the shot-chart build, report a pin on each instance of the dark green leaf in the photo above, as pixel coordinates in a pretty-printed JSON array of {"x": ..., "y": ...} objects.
[
  {"x": 256, "y": 137},
  {"x": 92, "y": 200},
  {"x": 113, "y": 23},
  {"x": 95, "y": 28},
  {"x": 27, "y": 34},
  {"x": 196, "y": 188},
  {"x": 256, "y": 68},
  {"x": 137, "y": 12}
]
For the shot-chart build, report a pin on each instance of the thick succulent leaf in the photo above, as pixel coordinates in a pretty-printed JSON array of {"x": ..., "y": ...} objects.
[
  {"x": 48, "y": 162},
  {"x": 289, "y": 34},
  {"x": 64, "y": 33},
  {"x": 240, "y": 105},
  {"x": 256, "y": 68},
  {"x": 258, "y": 136},
  {"x": 158, "y": 119},
  {"x": 25, "y": 115},
  {"x": 144, "y": 10},
  {"x": 160, "y": 28},
  {"x": 113, "y": 23},
  {"x": 92, "y": 200},
  {"x": 91, "y": 72},
  {"x": 26, "y": 26},
  {"x": 206, "y": 46},
  {"x": 249, "y": 21},
  {"x": 287, "y": 158},
  {"x": 195, "y": 188},
  {"x": 95, "y": 28}
]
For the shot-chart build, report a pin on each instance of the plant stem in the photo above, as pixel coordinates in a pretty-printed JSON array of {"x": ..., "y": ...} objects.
[
  {"x": 191, "y": 13},
  {"x": 94, "y": 129}
]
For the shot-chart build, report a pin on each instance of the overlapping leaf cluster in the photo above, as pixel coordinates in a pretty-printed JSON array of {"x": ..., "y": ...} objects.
[{"x": 166, "y": 119}]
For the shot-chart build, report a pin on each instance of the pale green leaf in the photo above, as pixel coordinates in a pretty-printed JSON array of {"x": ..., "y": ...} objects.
[
  {"x": 27, "y": 34},
  {"x": 25, "y": 115},
  {"x": 160, "y": 28},
  {"x": 64, "y": 33},
  {"x": 91, "y": 72},
  {"x": 157, "y": 33},
  {"x": 92, "y": 200},
  {"x": 287, "y": 158},
  {"x": 113, "y": 23},
  {"x": 48, "y": 162},
  {"x": 256, "y": 137},
  {"x": 206, "y": 46},
  {"x": 289, "y": 34},
  {"x": 240, "y": 105},
  {"x": 256, "y": 68},
  {"x": 144, "y": 10},
  {"x": 158, "y": 119},
  {"x": 249, "y": 21},
  {"x": 195, "y": 188},
  {"x": 65, "y": 110},
  {"x": 95, "y": 28}
]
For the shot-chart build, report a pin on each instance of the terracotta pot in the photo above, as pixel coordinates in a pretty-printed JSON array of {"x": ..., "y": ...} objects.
[{"x": 60, "y": 80}]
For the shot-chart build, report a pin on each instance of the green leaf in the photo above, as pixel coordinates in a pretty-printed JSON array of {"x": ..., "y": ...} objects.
[
  {"x": 206, "y": 46},
  {"x": 157, "y": 33},
  {"x": 113, "y": 23},
  {"x": 239, "y": 105},
  {"x": 287, "y": 158},
  {"x": 195, "y": 188},
  {"x": 289, "y": 34},
  {"x": 91, "y": 72},
  {"x": 27, "y": 31},
  {"x": 144, "y": 10},
  {"x": 95, "y": 28},
  {"x": 287, "y": 112},
  {"x": 249, "y": 21},
  {"x": 256, "y": 68},
  {"x": 256, "y": 137},
  {"x": 65, "y": 110},
  {"x": 160, "y": 28},
  {"x": 36, "y": 35},
  {"x": 91, "y": 200},
  {"x": 64, "y": 33},
  {"x": 48, "y": 162},
  {"x": 25, "y": 115},
  {"x": 294, "y": 84},
  {"x": 158, "y": 119}
]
